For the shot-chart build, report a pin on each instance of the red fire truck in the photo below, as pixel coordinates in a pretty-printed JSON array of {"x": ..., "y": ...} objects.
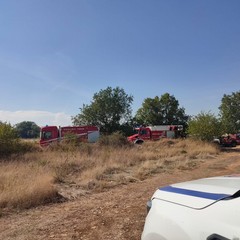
[
  {"x": 155, "y": 133},
  {"x": 236, "y": 137},
  {"x": 228, "y": 140},
  {"x": 49, "y": 134}
]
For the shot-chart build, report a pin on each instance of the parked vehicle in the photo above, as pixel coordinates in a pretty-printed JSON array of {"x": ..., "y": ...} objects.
[
  {"x": 236, "y": 137},
  {"x": 228, "y": 140},
  {"x": 204, "y": 209},
  {"x": 155, "y": 133},
  {"x": 50, "y": 134}
]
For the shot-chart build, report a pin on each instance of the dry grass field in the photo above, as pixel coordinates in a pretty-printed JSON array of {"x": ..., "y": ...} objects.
[
  {"x": 43, "y": 176},
  {"x": 96, "y": 191}
]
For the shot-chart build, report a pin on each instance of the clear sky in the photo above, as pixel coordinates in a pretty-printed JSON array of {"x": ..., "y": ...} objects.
[{"x": 55, "y": 54}]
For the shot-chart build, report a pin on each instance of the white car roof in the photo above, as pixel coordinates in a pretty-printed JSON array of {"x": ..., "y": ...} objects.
[{"x": 200, "y": 193}]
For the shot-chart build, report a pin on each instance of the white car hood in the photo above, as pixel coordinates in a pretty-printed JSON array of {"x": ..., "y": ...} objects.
[{"x": 201, "y": 193}]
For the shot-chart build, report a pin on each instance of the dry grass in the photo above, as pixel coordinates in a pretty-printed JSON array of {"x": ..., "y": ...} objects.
[
  {"x": 23, "y": 185},
  {"x": 33, "y": 179}
]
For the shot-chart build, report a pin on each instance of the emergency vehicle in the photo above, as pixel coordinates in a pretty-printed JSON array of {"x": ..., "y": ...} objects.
[
  {"x": 50, "y": 134},
  {"x": 204, "y": 209},
  {"x": 155, "y": 133},
  {"x": 228, "y": 140}
]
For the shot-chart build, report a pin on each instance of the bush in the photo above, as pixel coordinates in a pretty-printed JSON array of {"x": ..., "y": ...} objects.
[
  {"x": 10, "y": 142},
  {"x": 116, "y": 139},
  {"x": 204, "y": 126}
]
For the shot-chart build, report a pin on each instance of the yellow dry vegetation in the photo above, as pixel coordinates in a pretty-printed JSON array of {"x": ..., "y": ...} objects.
[
  {"x": 24, "y": 185},
  {"x": 33, "y": 178}
]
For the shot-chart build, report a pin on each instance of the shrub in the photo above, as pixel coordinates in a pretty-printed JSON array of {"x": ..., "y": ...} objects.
[
  {"x": 204, "y": 126},
  {"x": 24, "y": 185},
  {"x": 116, "y": 139},
  {"x": 10, "y": 142}
]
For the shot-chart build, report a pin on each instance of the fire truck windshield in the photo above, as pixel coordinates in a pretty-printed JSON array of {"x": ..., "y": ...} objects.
[
  {"x": 46, "y": 135},
  {"x": 143, "y": 132}
]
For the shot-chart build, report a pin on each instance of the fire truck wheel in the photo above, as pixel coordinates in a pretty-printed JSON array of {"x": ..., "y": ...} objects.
[{"x": 139, "y": 141}]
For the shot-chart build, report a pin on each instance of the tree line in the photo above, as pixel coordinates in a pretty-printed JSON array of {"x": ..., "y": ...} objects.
[{"x": 111, "y": 110}]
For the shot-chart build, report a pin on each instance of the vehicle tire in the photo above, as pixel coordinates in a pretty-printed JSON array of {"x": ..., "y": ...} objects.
[{"x": 139, "y": 141}]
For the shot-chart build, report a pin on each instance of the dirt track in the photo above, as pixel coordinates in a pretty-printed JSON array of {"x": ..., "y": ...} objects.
[{"x": 116, "y": 214}]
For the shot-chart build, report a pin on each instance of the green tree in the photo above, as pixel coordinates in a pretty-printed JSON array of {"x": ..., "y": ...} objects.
[
  {"x": 204, "y": 126},
  {"x": 109, "y": 109},
  {"x": 162, "y": 110},
  {"x": 9, "y": 141},
  {"x": 230, "y": 112},
  {"x": 27, "y": 129}
]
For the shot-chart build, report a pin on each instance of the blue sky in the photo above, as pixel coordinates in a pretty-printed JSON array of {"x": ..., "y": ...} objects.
[{"x": 55, "y": 54}]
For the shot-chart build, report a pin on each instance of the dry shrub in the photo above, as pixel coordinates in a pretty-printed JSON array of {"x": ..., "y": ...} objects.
[
  {"x": 198, "y": 149},
  {"x": 23, "y": 186},
  {"x": 148, "y": 168},
  {"x": 101, "y": 166},
  {"x": 167, "y": 155},
  {"x": 116, "y": 139}
]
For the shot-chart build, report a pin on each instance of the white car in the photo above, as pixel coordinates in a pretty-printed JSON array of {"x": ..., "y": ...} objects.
[{"x": 206, "y": 209}]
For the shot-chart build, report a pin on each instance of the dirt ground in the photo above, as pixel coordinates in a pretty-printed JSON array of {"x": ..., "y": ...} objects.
[{"x": 115, "y": 214}]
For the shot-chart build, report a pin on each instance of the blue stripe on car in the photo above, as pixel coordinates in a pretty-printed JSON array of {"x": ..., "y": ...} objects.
[{"x": 207, "y": 195}]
